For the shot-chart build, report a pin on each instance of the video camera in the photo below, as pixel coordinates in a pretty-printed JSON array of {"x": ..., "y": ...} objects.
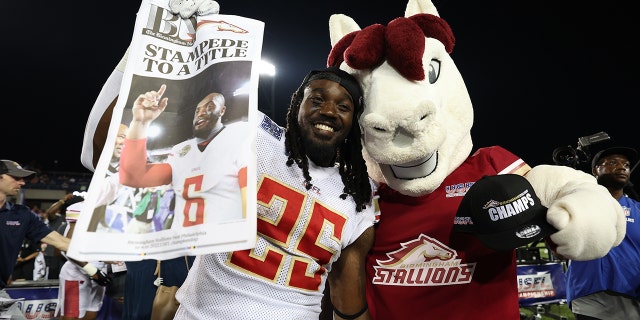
[{"x": 571, "y": 157}]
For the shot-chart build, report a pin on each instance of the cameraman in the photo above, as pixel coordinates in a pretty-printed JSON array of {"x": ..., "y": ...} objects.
[{"x": 609, "y": 287}]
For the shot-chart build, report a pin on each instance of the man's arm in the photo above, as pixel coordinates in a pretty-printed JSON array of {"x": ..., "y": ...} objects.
[
  {"x": 53, "y": 209},
  {"x": 347, "y": 279},
  {"x": 57, "y": 240},
  {"x": 33, "y": 255},
  {"x": 134, "y": 170},
  {"x": 62, "y": 243}
]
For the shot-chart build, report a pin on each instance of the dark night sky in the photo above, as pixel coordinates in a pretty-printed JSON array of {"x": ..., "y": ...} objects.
[{"x": 540, "y": 74}]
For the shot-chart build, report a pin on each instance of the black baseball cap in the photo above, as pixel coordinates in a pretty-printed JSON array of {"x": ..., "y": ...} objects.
[
  {"x": 340, "y": 76},
  {"x": 630, "y": 153},
  {"x": 504, "y": 212},
  {"x": 13, "y": 169}
]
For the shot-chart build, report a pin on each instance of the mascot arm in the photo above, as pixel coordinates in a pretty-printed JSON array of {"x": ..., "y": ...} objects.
[{"x": 589, "y": 220}]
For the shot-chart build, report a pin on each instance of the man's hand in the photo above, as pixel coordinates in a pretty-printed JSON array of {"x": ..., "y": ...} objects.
[
  {"x": 97, "y": 275},
  {"x": 101, "y": 278},
  {"x": 187, "y": 8},
  {"x": 149, "y": 105}
]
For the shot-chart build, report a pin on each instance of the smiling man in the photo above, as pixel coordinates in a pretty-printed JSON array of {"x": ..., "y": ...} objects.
[{"x": 315, "y": 217}]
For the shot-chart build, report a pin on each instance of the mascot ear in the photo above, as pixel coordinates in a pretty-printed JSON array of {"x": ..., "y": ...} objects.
[
  {"x": 339, "y": 26},
  {"x": 420, "y": 6}
]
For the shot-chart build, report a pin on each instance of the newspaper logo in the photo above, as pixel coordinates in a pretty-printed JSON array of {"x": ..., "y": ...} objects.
[
  {"x": 163, "y": 24},
  {"x": 423, "y": 262}
]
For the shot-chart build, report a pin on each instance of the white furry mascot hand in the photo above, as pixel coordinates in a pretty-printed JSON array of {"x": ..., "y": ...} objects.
[
  {"x": 187, "y": 8},
  {"x": 589, "y": 220}
]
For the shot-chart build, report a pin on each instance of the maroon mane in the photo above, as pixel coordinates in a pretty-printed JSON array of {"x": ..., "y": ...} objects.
[{"x": 401, "y": 43}]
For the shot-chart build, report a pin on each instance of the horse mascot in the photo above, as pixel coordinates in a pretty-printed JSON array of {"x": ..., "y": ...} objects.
[{"x": 417, "y": 142}]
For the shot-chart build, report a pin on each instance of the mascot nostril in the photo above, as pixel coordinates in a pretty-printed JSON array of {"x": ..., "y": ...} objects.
[
  {"x": 403, "y": 138},
  {"x": 422, "y": 187}
]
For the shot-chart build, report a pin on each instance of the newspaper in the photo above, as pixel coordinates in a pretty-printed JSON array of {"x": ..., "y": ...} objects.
[{"x": 185, "y": 60}]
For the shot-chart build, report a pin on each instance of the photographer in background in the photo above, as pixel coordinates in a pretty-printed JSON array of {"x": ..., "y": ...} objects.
[{"x": 609, "y": 287}]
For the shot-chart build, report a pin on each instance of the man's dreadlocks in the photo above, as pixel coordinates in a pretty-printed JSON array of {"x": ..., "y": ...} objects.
[{"x": 352, "y": 166}]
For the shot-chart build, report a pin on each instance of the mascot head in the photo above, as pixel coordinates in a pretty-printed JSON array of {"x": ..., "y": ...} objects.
[{"x": 417, "y": 118}]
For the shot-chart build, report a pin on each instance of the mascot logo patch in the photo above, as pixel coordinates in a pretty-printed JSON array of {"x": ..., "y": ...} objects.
[
  {"x": 458, "y": 190},
  {"x": 423, "y": 262},
  {"x": 627, "y": 214}
]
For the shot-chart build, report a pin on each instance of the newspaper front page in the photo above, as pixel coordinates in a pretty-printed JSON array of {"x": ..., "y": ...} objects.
[{"x": 191, "y": 201}]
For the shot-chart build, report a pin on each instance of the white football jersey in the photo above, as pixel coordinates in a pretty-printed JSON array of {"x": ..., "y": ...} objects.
[
  {"x": 300, "y": 234},
  {"x": 207, "y": 181}
]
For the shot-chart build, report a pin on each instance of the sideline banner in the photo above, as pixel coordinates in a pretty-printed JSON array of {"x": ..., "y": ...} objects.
[
  {"x": 541, "y": 284},
  {"x": 186, "y": 60},
  {"x": 37, "y": 298}
]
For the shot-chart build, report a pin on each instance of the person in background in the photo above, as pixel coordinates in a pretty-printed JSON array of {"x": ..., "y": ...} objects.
[
  {"x": 609, "y": 287},
  {"x": 78, "y": 297},
  {"x": 146, "y": 210},
  {"x": 82, "y": 284},
  {"x": 18, "y": 222},
  {"x": 140, "y": 288},
  {"x": 111, "y": 190},
  {"x": 56, "y": 221},
  {"x": 36, "y": 209},
  {"x": 315, "y": 217},
  {"x": 25, "y": 265}
]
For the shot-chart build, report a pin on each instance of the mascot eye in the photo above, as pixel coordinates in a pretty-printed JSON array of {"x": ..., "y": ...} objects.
[{"x": 434, "y": 70}]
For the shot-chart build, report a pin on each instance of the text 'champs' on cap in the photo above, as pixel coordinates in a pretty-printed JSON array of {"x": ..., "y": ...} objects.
[{"x": 504, "y": 212}]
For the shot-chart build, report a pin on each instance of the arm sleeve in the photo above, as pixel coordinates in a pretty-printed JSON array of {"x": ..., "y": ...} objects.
[{"x": 134, "y": 170}]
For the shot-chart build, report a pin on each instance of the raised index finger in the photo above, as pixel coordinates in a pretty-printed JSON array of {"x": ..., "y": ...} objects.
[{"x": 161, "y": 90}]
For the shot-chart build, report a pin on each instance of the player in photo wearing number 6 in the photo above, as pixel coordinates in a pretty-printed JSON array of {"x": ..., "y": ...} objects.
[
  {"x": 315, "y": 217},
  {"x": 209, "y": 168}
]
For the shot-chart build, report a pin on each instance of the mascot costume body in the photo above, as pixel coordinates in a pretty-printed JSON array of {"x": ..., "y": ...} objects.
[{"x": 417, "y": 138}]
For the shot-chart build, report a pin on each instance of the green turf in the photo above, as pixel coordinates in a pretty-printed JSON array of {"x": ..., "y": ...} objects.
[{"x": 553, "y": 311}]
